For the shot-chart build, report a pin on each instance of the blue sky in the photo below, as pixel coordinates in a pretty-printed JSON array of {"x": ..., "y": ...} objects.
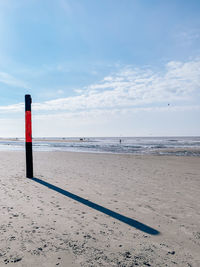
[{"x": 100, "y": 68}]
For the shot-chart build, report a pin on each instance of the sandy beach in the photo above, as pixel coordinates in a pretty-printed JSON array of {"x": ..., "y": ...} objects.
[{"x": 87, "y": 209}]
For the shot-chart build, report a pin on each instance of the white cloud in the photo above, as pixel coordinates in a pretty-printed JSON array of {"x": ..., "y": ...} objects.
[
  {"x": 60, "y": 92},
  {"x": 10, "y": 80},
  {"x": 12, "y": 108},
  {"x": 187, "y": 37},
  {"x": 94, "y": 113},
  {"x": 132, "y": 88}
]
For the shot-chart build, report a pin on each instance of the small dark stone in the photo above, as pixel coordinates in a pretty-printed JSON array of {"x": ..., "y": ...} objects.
[
  {"x": 18, "y": 259},
  {"x": 171, "y": 252},
  {"x": 127, "y": 254}
]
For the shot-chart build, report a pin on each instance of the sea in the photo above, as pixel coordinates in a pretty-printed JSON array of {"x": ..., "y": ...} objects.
[{"x": 179, "y": 146}]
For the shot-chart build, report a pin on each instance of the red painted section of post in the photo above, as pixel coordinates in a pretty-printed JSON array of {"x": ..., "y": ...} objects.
[{"x": 28, "y": 126}]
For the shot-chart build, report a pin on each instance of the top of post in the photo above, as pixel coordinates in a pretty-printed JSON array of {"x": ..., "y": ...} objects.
[{"x": 28, "y": 102}]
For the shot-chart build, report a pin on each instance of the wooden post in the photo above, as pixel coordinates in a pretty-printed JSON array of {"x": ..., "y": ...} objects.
[{"x": 28, "y": 134}]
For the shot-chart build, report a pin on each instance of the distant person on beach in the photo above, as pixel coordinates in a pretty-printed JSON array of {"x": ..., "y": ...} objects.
[{"x": 120, "y": 140}]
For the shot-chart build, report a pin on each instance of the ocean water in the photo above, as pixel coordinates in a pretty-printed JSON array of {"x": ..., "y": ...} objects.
[{"x": 181, "y": 146}]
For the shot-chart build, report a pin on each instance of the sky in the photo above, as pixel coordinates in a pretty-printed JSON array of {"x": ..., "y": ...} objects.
[{"x": 100, "y": 68}]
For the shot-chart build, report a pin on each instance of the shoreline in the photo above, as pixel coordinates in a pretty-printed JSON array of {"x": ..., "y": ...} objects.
[
  {"x": 159, "y": 146},
  {"x": 171, "y": 152}
]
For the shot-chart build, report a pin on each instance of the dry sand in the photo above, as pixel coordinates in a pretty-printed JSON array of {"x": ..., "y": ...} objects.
[{"x": 99, "y": 210}]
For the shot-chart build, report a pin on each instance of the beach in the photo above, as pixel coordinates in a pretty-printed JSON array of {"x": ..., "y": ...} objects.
[{"x": 97, "y": 209}]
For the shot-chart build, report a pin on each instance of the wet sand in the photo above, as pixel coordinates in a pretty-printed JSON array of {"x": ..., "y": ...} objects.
[{"x": 84, "y": 209}]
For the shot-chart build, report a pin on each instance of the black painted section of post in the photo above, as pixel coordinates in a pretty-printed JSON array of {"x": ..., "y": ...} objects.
[
  {"x": 29, "y": 160},
  {"x": 28, "y": 134},
  {"x": 28, "y": 102}
]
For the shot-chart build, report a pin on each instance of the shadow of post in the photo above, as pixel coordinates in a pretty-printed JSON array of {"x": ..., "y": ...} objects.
[{"x": 138, "y": 225}]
